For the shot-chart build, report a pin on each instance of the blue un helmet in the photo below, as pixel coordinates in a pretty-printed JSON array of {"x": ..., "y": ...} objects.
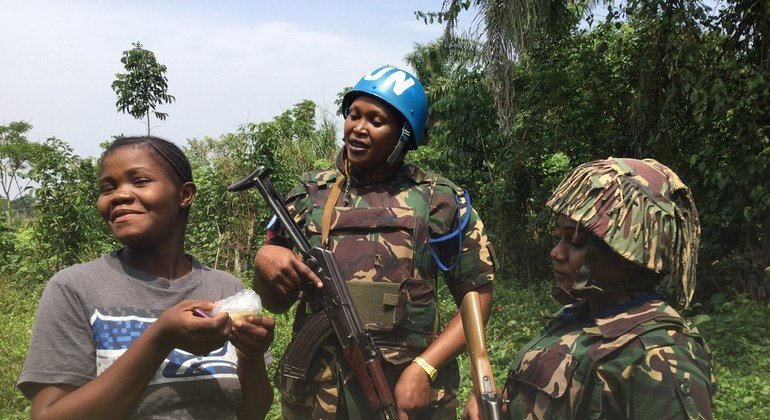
[{"x": 401, "y": 90}]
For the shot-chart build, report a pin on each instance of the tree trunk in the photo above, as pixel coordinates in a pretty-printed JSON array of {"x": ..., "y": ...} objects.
[
  {"x": 7, "y": 196},
  {"x": 8, "y": 211}
]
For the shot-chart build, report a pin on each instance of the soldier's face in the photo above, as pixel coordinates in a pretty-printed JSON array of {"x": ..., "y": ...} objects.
[
  {"x": 569, "y": 253},
  {"x": 371, "y": 131}
]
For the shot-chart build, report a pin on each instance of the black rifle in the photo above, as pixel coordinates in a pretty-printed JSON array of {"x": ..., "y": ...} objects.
[{"x": 358, "y": 347}]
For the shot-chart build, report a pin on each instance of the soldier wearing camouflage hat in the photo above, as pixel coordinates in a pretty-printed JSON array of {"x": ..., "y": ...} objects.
[
  {"x": 617, "y": 350},
  {"x": 392, "y": 227}
]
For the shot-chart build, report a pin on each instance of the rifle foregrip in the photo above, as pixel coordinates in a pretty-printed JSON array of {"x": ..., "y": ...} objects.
[{"x": 371, "y": 379}]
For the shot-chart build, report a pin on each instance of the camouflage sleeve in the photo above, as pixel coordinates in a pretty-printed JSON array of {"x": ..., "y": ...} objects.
[
  {"x": 476, "y": 266},
  {"x": 298, "y": 202},
  {"x": 672, "y": 381}
]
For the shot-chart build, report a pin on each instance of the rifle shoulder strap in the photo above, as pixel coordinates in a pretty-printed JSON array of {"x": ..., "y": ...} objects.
[{"x": 326, "y": 218}]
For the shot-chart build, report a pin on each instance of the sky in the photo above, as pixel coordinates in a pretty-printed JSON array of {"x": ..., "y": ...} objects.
[{"x": 229, "y": 62}]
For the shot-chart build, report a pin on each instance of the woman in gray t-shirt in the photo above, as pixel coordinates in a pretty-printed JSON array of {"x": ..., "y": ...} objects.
[{"x": 117, "y": 337}]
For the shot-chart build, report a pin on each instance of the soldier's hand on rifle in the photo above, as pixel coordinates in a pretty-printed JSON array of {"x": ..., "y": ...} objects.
[
  {"x": 412, "y": 393},
  {"x": 471, "y": 411},
  {"x": 284, "y": 270}
]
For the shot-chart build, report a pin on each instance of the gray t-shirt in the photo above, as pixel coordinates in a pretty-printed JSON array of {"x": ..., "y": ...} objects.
[{"x": 91, "y": 313}]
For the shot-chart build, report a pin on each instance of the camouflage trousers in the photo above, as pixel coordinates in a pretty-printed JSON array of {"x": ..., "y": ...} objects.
[{"x": 332, "y": 394}]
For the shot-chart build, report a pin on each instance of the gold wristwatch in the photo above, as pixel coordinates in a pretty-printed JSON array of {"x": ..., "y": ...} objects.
[{"x": 430, "y": 370}]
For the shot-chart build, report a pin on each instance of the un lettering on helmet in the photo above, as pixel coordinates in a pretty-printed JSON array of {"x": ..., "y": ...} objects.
[{"x": 399, "y": 80}]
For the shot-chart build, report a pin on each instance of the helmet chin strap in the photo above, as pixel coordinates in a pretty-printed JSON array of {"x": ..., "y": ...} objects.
[{"x": 397, "y": 154}]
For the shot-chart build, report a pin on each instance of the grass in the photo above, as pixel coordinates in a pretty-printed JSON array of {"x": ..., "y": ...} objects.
[
  {"x": 738, "y": 333},
  {"x": 737, "y": 330},
  {"x": 15, "y": 330}
]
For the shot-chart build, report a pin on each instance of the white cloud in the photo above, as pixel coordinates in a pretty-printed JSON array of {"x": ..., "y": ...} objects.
[{"x": 61, "y": 57}]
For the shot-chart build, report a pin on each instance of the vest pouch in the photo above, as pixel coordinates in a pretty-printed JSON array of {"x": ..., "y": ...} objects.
[
  {"x": 375, "y": 302},
  {"x": 416, "y": 308}
]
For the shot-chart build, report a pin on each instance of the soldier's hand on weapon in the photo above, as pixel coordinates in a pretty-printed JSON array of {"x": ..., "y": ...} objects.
[
  {"x": 412, "y": 393},
  {"x": 284, "y": 269},
  {"x": 471, "y": 411}
]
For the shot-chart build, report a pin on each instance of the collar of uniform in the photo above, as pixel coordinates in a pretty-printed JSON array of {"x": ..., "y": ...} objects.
[
  {"x": 411, "y": 172},
  {"x": 616, "y": 325},
  {"x": 574, "y": 312}
]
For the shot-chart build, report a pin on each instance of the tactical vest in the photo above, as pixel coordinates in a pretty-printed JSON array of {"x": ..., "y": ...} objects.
[{"x": 379, "y": 235}]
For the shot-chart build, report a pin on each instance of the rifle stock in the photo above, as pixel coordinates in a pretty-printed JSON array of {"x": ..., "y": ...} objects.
[
  {"x": 481, "y": 368},
  {"x": 358, "y": 347}
]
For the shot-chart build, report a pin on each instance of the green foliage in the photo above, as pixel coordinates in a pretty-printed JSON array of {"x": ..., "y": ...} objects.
[
  {"x": 143, "y": 87},
  {"x": 675, "y": 81},
  {"x": 7, "y": 245},
  {"x": 15, "y": 330},
  {"x": 738, "y": 333},
  {"x": 283, "y": 324},
  {"x": 66, "y": 228},
  {"x": 226, "y": 229}
]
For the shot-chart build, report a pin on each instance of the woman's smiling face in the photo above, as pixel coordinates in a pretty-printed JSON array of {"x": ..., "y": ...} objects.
[{"x": 139, "y": 198}]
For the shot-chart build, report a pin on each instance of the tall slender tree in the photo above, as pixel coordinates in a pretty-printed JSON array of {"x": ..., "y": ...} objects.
[
  {"x": 143, "y": 87},
  {"x": 17, "y": 155}
]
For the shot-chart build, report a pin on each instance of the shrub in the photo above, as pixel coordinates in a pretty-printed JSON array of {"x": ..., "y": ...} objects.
[
  {"x": 738, "y": 333},
  {"x": 15, "y": 330}
]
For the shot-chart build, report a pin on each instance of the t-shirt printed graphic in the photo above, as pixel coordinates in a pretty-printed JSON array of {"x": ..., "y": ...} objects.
[{"x": 113, "y": 335}]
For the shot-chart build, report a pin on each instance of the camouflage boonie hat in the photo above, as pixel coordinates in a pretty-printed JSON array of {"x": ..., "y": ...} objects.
[{"x": 642, "y": 210}]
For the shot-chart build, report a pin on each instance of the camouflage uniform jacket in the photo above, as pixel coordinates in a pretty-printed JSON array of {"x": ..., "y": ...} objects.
[
  {"x": 379, "y": 234},
  {"x": 646, "y": 362}
]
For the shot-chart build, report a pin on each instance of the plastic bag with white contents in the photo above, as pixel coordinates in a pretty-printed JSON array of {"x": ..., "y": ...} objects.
[{"x": 239, "y": 305}]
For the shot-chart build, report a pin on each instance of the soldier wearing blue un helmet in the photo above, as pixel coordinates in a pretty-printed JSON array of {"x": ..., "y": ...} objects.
[
  {"x": 403, "y": 92},
  {"x": 392, "y": 227}
]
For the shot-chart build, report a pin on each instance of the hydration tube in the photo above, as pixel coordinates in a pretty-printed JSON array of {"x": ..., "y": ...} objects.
[{"x": 457, "y": 232}]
